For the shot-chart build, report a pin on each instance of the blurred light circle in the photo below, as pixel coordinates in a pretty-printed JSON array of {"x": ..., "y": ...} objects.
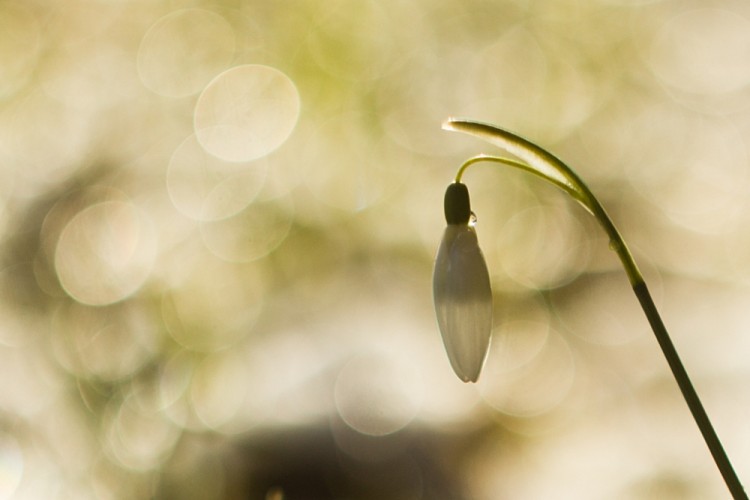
[
  {"x": 105, "y": 253},
  {"x": 518, "y": 342},
  {"x": 175, "y": 377},
  {"x": 215, "y": 306},
  {"x": 107, "y": 343},
  {"x": 137, "y": 438},
  {"x": 204, "y": 187},
  {"x": 246, "y": 112},
  {"x": 251, "y": 234},
  {"x": 376, "y": 395},
  {"x": 183, "y": 50},
  {"x": 537, "y": 384},
  {"x": 703, "y": 51},
  {"x": 219, "y": 388},
  {"x": 542, "y": 247},
  {"x": 19, "y": 47},
  {"x": 11, "y": 466},
  {"x": 595, "y": 315}
]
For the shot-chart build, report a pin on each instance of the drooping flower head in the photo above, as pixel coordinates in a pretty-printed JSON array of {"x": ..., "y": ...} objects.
[{"x": 461, "y": 288}]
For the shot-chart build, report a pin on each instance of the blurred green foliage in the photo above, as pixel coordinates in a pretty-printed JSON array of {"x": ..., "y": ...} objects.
[{"x": 219, "y": 220}]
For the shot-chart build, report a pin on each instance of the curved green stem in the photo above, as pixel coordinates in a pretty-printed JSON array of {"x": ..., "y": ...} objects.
[
  {"x": 547, "y": 166},
  {"x": 520, "y": 165}
]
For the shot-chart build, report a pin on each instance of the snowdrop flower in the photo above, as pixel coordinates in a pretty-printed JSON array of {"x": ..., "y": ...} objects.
[
  {"x": 461, "y": 284},
  {"x": 461, "y": 289}
]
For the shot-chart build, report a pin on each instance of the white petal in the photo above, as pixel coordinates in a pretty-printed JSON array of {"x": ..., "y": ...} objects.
[{"x": 463, "y": 300}]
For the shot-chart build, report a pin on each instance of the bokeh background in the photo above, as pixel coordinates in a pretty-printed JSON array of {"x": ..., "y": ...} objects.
[{"x": 218, "y": 222}]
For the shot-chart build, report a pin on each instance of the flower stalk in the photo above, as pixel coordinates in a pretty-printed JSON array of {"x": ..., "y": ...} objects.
[{"x": 543, "y": 164}]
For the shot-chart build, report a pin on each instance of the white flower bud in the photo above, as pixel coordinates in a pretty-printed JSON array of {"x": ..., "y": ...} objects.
[{"x": 463, "y": 300}]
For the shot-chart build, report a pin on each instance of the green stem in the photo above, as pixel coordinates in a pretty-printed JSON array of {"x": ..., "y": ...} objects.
[
  {"x": 545, "y": 165},
  {"x": 670, "y": 353},
  {"x": 520, "y": 165},
  {"x": 688, "y": 392}
]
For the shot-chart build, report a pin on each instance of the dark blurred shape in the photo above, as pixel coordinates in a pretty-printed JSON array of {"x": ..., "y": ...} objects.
[{"x": 309, "y": 464}]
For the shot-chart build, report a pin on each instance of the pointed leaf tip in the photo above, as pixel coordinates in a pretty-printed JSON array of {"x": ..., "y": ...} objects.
[{"x": 447, "y": 124}]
